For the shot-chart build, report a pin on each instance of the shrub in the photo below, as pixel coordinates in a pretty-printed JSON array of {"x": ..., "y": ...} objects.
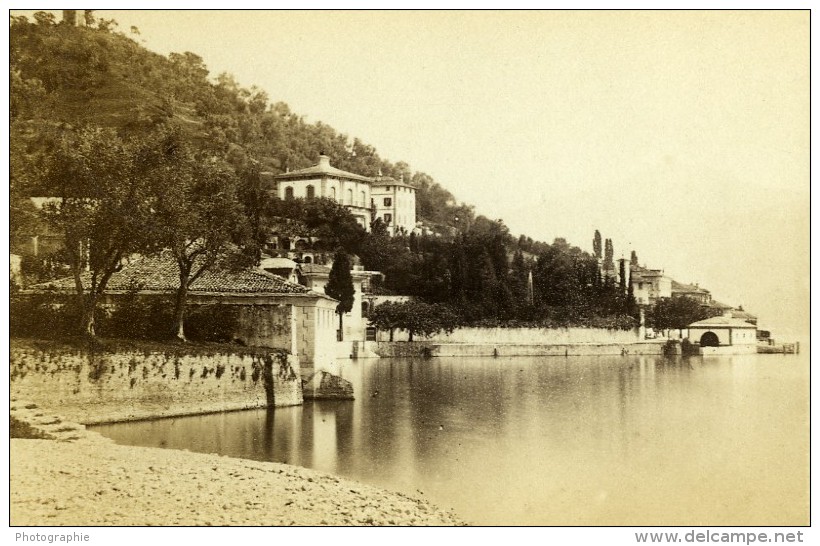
[
  {"x": 216, "y": 322},
  {"x": 139, "y": 317},
  {"x": 43, "y": 316}
]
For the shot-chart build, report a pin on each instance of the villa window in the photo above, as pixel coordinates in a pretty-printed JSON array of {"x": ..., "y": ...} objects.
[
  {"x": 349, "y": 197},
  {"x": 289, "y": 192},
  {"x": 311, "y": 192},
  {"x": 363, "y": 201},
  {"x": 333, "y": 192},
  {"x": 388, "y": 202},
  {"x": 388, "y": 218}
]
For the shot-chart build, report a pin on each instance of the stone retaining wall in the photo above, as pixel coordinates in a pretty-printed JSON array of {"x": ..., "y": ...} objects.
[
  {"x": 526, "y": 336},
  {"x": 430, "y": 349},
  {"x": 97, "y": 387}
]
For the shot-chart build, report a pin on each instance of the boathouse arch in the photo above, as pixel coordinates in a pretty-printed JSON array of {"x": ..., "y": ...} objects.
[{"x": 709, "y": 339}]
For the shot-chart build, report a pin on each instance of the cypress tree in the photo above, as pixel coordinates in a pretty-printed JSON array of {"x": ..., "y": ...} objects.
[
  {"x": 340, "y": 286},
  {"x": 596, "y": 244}
]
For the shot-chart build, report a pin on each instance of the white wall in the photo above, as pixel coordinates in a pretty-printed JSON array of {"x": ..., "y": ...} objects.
[
  {"x": 523, "y": 336},
  {"x": 402, "y": 208}
]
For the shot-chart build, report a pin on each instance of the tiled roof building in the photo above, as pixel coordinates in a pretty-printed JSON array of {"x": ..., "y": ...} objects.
[
  {"x": 273, "y": 312},
  {"x": 159, "y": 274}
]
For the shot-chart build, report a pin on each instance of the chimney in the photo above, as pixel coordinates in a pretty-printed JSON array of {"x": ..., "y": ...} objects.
[{"x": 324, "y": 161}]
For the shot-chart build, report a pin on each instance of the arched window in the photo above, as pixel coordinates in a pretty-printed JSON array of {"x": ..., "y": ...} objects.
[
  {"x": 362, "y": 200},
  {"x": 333, "y": 192},
  {"x": 289, "y": 192},
  {"x": 349, "y": 197},
  {"x": 311, "y": 193}
]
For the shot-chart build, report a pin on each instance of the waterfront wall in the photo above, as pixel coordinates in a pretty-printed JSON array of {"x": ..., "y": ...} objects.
[
  {"x": 526, "y": 336},
  {"x": 129, "y": 384},
  {"x": 430, "y": 349}
]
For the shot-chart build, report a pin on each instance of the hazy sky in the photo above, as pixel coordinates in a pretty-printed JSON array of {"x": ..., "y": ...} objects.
[{"x": 682, "y": 135}]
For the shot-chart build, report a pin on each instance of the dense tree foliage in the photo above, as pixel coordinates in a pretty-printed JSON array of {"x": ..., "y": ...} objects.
[
  {"x": 321, "y": 218},
  {"x": 482, "y": 274},
  {"x": 677, "y": 313},
  {"x": 416, "y": 318}
]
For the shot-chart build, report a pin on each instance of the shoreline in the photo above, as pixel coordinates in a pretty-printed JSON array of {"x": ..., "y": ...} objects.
[{"x": 62, "y": 474}]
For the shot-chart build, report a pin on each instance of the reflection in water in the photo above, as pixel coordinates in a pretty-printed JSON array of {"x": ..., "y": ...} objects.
[{"x": 582, "y": 440}]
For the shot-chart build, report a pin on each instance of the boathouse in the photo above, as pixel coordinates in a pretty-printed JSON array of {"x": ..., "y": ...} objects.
[{"x": 723, "y": 335}]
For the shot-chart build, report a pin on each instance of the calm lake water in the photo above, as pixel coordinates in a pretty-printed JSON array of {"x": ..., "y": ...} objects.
[{"x": 547, "y": 440}]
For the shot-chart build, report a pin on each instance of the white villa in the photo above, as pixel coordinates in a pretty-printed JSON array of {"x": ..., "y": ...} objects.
[{"x": 394, "y": 202}]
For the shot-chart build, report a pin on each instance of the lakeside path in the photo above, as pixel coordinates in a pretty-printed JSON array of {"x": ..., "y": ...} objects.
[{"x": 86, "y": 482}]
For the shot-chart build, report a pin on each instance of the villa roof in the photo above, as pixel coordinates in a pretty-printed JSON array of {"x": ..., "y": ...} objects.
[
  {"x": 390, "y": 181},
  {"x": 648, "y": 272},
  {"x": 274, "y": 262},
  {"x": 314, "y": 269},
  {"x": 323, "y": 168},
  {"x": 687, "y": 288},
  {"x": 721, "y": 322},
  {"x": 718, "y": 305},
  {"x": 160, "y": 274},
  {"x": 745, "y": 315}
]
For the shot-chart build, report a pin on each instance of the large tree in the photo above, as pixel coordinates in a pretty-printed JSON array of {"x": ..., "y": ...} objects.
[
  {"x": 197, "y": 214},
  {"x": 676, "y": 313},
  {"x": 386, "y": 317},
  {"x": 340, "y": 287},
  {"x": 417, "y": 318},
  {"x": 101, "y": 208}
]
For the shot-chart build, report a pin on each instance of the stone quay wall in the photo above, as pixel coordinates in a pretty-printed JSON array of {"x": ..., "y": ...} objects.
[
  {"x": 431, "y": 348},
  {"x": 131, "y": 383},
  {"x": 525, "y": 336}
]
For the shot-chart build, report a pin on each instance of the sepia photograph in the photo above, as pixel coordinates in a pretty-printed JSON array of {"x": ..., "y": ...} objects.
[{"x": 353, "y": 268}]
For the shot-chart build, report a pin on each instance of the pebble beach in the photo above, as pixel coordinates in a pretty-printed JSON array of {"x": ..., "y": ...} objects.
[{"x": 64, "y": 475}]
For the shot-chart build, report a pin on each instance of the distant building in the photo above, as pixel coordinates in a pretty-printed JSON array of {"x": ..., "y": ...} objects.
[
  {"x": 693, "y": 291},
  {"x": 719, "y": 309},
  {"x": 649, "y": 285},
  {"x": 739, "y": 313},
  {"x": 394, "y": 203},
  {"x": 315, "y": 277},
  {"x": 283, "y": 267},
  {"x": 46, "y": 241}
]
